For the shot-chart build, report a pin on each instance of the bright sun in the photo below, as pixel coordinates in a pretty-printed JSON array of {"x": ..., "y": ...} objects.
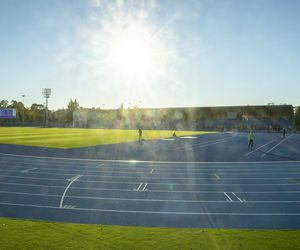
[{"x": 132, "y": 53}]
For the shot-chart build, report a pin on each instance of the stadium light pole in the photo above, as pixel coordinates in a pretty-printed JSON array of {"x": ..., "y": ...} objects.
[
  {"x": 23, "y": 117},
  {"x": 46, "y": 93}
]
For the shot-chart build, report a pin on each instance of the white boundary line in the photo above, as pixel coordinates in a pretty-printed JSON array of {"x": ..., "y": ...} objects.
[
  {"x": 150, "y": 212},
  {"x": 148, "y": 162},
  {"x": 148, "y": 200},
  {"x": 275, "y": 146},
  {"x": 261, "y": 147},
  {"x": 63, "y": 196}
]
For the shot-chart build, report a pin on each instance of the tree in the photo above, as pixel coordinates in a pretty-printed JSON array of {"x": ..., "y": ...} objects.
[
  {"x": 297, "y": 118},
  {"x": 19, "y": 106},
  {"x": 120, "y": 112},
  {"x": 3, "y": 104},
  {"x": 36, "y": 113},
  {"x": 72, "y": 106}
]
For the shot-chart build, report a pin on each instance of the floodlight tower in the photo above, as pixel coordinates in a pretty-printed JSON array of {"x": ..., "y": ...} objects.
[{"x": 46, "y": 93}]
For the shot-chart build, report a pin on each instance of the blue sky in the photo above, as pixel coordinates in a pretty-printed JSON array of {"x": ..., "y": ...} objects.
[{"x": 183, "y": 53}]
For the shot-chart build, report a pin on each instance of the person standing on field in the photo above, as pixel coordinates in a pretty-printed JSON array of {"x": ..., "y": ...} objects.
[
  {"x": 140, "y": 134},
  {"x": 250, "y": 140}
]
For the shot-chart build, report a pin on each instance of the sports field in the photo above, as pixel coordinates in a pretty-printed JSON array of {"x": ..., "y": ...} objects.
[{"x": 75, "y": 137}]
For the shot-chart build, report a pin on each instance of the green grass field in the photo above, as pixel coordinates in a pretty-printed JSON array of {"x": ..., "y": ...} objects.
[
  {"x": 26, "y": 234},
  {"x": 76, "y": 137}
]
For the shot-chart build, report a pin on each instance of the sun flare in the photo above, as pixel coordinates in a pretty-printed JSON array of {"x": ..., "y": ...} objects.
[{"x": 132, "y": 53}]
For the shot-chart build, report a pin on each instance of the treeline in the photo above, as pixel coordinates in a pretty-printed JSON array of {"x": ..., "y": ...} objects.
[
  {"x": 35, "y": 114},
  {"x": 273, "y": 117},
  {"x": 167, "y": 118}
]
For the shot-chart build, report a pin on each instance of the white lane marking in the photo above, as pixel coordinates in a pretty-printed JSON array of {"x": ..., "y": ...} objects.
[
  {"x": 297, "y": 181},
  {"x": 145, "y": 167},
  {"x": 164, "y": 171},
  {"x": 236, "y": 196},
  {"x": 139, "y": 187},
  {"x": 161, "y": 178},
  {"x": 74, "y": 178},
  {"x": 151, "y": 212},
  {"x": 198, "y": 145},
  {"x": 69, "y": 206},
  {"x": 154, "y": 191},
  {"x": 166, "y": 183},
  {"x": 167, "y": 139},
  {"x": 217, "y": 176},
  {"x": 275, "y": 146},
  {"x": 189, "y": 137},
  {"x": 144, "y": 189},
  {"x": 228, "y": 197},
  {"x": 152, "y": 171},
  {"x": 261, "y": 147},
  {"x": 147, "y": 162},
  {"x": 201, "y": 146},
  {"x": 148, "y": 200},
  {"x": 29, "y": 169},
  {"x": 63, "y": 196},
  {"x": 130, "y": 164}
]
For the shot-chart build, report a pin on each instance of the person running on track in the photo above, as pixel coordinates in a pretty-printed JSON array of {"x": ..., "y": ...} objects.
[{"x": 250, "y": 140}]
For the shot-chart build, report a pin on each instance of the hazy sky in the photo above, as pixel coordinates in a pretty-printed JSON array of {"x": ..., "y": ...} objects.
[{"x": 150, "y": 53}]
